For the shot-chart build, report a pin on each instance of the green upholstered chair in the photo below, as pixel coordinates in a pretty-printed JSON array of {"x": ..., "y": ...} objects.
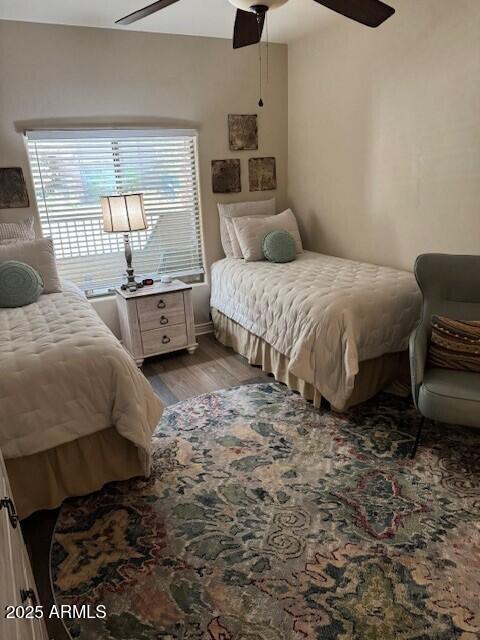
[{"x": 450, "y": 286}]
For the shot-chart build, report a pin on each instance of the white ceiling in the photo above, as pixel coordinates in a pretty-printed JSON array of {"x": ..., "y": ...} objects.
[{"x": 213, "y": 18}]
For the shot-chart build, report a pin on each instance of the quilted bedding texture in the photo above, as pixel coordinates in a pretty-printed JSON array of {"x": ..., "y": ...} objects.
[
  {"x": 325, "y": 314},
  {"x": 64, "y": 375}
]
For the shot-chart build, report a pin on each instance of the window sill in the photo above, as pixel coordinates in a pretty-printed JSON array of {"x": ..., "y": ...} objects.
[{"x": 101, "y": 297}]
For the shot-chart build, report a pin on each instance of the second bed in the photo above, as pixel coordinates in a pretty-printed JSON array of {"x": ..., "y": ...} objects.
[{"x": 325, "y": 326}]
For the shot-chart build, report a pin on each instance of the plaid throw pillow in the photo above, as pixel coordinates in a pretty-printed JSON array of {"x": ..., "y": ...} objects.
[{"x": 455, "y": 344}]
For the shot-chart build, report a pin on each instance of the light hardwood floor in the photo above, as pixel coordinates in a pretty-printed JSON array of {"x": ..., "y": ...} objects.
[
  {"x": 176, "y": 376},
  {"x": 179, "y": 376}
]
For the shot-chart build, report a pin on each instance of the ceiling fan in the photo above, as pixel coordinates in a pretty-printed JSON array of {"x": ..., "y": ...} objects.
[{"x": 250, "y": 16}]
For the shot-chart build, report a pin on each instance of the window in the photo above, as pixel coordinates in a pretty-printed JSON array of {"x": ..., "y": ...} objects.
[{"x": 72, "y": 169}]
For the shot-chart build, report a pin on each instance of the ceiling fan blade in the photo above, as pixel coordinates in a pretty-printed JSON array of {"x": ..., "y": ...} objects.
[
  {"x": 369, "y": 12},
  {"x": 146, "y": 11},
  {"x": 248, "y": 28}
]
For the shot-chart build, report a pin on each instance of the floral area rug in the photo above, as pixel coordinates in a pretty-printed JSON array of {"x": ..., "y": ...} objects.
[{"x": 265, "y": 519}]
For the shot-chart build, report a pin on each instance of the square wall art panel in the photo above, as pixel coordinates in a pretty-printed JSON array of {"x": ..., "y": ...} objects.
[
  {"x": 262, "y": 174},
  {"x": 243, "y": 132},
  {"x": 13, "y": 190},
  {"x": 226, "y": 176}
]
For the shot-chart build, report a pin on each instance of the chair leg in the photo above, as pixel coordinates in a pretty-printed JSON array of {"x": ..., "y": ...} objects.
[{"x": 417, "y": 439}]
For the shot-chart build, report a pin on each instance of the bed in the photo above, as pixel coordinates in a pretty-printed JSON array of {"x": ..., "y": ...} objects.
[
  {"x": 325, "y": 326},
  {"x": 75, "y": 412}
]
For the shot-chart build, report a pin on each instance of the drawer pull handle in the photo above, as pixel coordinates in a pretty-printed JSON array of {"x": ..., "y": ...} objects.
[
  {"x": 163, "y": 320},
  {"x": 161, "y": 304},
  {"x": 7, "y": 504},
  {"x": 165, "y": 340},
  {"x": 29, "y": 594}
]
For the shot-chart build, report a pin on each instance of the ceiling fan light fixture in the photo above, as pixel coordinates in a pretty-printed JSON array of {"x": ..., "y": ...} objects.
[{"x": 246, "y": 5}]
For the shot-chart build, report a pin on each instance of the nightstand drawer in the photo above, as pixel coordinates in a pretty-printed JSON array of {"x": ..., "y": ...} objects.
[
  {"x": 164, "y": 339},
  {"x": 161, "y": 318},
  {"x": 159, "y": 311}
]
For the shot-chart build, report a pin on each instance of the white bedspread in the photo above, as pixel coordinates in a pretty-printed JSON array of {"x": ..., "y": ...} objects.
[
  {"x": 63, "y": 375},
  {"x": 325, "y": 314}
]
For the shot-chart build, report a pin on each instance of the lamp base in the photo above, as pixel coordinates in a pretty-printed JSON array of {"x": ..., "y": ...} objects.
[{"x": 131, "y": 284}]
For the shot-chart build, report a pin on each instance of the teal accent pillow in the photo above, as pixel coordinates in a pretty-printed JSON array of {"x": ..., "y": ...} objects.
[
  {"x": 279, "y": 246},
  {"x": 20, "y": 284}
]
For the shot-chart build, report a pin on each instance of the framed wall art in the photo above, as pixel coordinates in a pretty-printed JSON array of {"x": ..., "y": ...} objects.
[
  {"x": 13, "y": 190},
  {"x": 226, "y": 176},
  {"x": 243, "y": 132},
  {"x": 262, "y": 174}
]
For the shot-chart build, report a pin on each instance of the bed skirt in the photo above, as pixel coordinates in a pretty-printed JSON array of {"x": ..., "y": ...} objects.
[
  {"x": 373, "y": 376},
  {"x": 44, "y": 480}
]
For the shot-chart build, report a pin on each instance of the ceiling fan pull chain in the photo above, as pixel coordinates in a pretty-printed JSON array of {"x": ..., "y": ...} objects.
[
  {"x": 260, "y": 102},
  {"x": 266, "y": 25}
]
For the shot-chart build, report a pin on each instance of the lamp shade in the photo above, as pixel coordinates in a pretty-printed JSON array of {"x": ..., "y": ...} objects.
[{"x": 122, "y": 214}]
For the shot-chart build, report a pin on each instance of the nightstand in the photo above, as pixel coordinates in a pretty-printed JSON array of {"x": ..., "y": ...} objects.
[{"x": 157, "y": 319}]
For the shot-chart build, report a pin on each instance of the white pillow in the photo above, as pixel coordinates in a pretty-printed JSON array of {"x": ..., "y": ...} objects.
[
  {"x": 251, "y": 232},
  {"x": 39, "y": 255},
  {"x": 16, "y": 231},
  {"x": 237, "y": 210},
  {"x": 236, "y": 249}
]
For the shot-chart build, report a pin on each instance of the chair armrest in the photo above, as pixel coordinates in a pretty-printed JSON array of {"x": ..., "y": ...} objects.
[{"x": 418, "y": 348}]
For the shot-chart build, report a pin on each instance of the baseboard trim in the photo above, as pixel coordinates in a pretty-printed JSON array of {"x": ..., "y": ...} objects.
[{"x": 202, "y": 329}]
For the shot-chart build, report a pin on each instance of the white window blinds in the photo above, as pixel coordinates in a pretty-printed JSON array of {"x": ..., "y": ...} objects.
[{"x": 72, "y": 169}]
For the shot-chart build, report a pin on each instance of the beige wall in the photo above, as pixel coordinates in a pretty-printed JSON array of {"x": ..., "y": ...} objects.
[
  {"x": 384, "y": 134},
  {"x": 74, "y": 75}
]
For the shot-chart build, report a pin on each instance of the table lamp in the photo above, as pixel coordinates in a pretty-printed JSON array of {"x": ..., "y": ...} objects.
[{"x": 123, "y": 214}]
